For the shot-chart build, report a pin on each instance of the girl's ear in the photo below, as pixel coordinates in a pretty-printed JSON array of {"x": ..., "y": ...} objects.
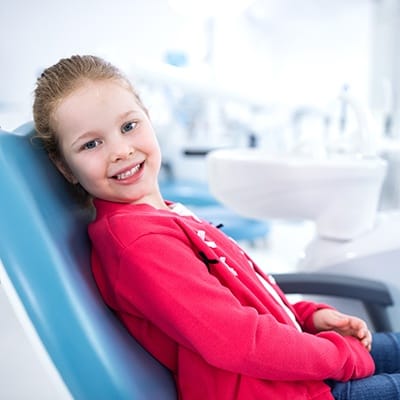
[{"x": 63, "y": 168}]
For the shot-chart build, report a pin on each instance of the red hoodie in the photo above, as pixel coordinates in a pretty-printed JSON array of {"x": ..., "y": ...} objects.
[{"x": 194, "y": 300}]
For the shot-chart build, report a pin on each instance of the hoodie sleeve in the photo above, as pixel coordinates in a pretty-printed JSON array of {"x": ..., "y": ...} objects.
[
  {"x": 305, "y": 311},
  {"x": 174, "y": 291}
]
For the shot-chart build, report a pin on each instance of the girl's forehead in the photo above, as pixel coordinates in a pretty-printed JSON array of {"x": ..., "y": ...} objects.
[
  {"x": 101, "y": 88},
  {"x": 94, "y": 103},
  {"x": 99, "y": 94}
]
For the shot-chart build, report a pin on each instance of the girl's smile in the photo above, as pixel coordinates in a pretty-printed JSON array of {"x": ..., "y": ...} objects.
[{"x": 132, "y": 172}]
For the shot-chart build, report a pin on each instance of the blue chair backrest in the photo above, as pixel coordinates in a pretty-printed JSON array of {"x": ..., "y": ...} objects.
[{"x": 45, "y": 251}]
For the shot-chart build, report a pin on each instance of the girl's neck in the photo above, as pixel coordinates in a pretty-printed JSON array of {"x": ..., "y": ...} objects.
[{"x": 155, "y": 201}]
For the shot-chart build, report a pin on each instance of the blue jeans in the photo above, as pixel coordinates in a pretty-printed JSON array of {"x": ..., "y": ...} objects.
[{"x": 385, "y": 383}]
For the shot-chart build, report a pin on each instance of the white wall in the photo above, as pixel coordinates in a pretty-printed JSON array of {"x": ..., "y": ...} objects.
[
  {"x": 298, "y": 52},
  {"x": 303, "y": 52},
  {"x": 36, "y": 34}
]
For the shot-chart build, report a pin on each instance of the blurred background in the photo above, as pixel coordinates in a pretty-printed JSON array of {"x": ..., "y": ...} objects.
[
  {"x": 237, "y": 73},
  {"x": 253, "y": 73},
  {"x": 221, "y": 73},
  {"x": 271, "y": 57},
  {"x": 224, "y": 73},
  {"x": 216, "y": 73}
]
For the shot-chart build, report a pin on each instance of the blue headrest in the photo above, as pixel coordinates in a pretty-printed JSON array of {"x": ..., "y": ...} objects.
[{"x": 45, "y": 251}]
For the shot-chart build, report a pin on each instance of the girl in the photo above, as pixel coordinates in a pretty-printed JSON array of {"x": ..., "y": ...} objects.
[{"x": 183, "y": 289}]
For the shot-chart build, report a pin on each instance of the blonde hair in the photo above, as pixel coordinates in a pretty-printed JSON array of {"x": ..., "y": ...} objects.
[{"x": 59, "y": 81}]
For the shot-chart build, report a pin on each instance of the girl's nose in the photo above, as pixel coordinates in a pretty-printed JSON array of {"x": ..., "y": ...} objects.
[{"x": 122, "y": 151}]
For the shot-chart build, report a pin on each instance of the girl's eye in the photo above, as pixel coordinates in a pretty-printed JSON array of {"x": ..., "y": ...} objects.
[
  {"x": 91, "y": 144},
  {"x": 128, "y": 127}
]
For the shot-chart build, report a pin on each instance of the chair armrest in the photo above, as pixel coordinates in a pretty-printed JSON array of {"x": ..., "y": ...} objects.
[{"x": 374, "y": 295}]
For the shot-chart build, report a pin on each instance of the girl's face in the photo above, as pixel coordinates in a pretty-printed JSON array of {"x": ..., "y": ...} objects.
[{"x": 108, "y": 144}]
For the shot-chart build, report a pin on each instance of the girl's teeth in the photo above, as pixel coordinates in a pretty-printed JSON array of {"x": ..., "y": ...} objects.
[{"x": 129, "y": 173}]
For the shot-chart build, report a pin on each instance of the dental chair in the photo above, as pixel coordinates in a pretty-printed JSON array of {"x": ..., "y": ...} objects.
[
  {"x": 44, "y": 254},
  {"x": 45, "y": 272}
]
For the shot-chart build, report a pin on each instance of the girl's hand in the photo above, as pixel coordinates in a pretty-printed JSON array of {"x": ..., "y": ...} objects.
[{"x": 347, "y": 325}]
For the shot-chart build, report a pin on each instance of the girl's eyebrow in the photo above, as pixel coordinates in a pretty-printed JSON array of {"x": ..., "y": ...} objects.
[
  {"x": 127, "y": 114},
  {"x": 84, "y": 136}
]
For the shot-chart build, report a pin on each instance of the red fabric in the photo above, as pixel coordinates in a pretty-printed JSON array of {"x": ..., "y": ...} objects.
[{"x": 212, "y": 323}]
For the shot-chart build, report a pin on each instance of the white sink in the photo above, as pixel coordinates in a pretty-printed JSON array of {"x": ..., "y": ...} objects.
[{"x": 340, "y": 194}]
